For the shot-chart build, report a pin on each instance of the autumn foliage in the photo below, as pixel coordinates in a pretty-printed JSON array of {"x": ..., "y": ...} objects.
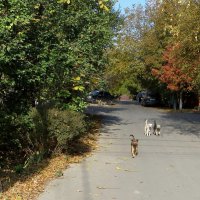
[{"x": 172, "y": 74}]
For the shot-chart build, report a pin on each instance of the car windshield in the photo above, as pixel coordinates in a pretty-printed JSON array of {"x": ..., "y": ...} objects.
[
  {"x": 94, "y": 92},
  {"x": 152, "y": 95}
]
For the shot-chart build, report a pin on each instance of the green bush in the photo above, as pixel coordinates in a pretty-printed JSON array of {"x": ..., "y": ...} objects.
[
  {"x": 15, "y": 131},
  {"x": 29, "y": 138},
  {"x": 18, "y": 169},
  {"x": 65, "y": 125},
  {"x": 55, "y": 128}
]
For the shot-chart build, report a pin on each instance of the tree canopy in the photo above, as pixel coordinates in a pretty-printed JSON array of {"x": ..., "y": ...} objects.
[
  {"x": 52, "y": 49},
  {"x": 148, "y": 33}
]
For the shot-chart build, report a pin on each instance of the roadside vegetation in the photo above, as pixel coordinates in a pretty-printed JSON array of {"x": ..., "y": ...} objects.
[
  {"x": 26, "y": 180},
  {"x": 52, "y": 53}
]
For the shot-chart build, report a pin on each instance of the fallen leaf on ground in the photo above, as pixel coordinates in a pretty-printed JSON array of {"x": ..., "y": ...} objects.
[
  {"x": 128, "y": 170},
  {"x": 118, "y": 168},
  {"x": 31, "y": 186},
  {"x": 101, "y": 187}
]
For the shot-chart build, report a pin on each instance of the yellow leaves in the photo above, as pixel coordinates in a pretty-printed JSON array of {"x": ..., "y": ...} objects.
[
  {"x": 78, "y": 78},
  {"x": 102, "y": 5},
  {"x": 94, "y": 80},
  {"x": 64, "y": 1},
  {"x": 37, "y": 6},
  {"x": 79, "y": 87}
]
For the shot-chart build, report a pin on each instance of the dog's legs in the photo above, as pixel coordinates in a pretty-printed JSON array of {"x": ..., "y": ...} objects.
[
  {"x": 157, "y": 132},
  {"x": 145, "y": 128},
  {"x": 136, "y": 151},
  {"x": 132, "y": 151},
  {"x": 147, "y": 132}
]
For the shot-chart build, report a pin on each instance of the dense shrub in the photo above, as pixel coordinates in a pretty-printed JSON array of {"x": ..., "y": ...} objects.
[
  {"x": 15, "y": 142},
  {"x": 55, "y": 128},
  {"x": 28, "y": 138},
  {"x": 65, "y": 125}
]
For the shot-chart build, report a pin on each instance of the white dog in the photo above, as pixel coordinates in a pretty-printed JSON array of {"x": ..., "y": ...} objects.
[
  {"x": 147, "y": 128},
  {"x": 156, "y": 128}
]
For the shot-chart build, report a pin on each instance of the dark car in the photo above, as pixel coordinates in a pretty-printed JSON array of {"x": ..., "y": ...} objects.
[
  {"x": 150, "y": 99},
  {"x": 140, "y": 96},
  {"x": 104, "y": 96},
  {"x": 91, "y": 98}
]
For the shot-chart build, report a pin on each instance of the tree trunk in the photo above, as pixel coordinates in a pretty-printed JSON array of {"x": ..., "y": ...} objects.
[
  {"x": 174, "y": 101},
  {"x": 180, "y": 100}
]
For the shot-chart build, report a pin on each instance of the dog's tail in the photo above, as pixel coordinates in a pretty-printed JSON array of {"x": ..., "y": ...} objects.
[{"x": 155, "y": 125}]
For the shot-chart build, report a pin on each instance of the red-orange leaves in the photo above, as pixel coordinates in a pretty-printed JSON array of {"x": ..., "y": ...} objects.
[{"x": 172, "y": 74}]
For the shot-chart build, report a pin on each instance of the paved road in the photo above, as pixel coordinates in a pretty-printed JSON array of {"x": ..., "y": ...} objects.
[{"x": 167, "y": 167}]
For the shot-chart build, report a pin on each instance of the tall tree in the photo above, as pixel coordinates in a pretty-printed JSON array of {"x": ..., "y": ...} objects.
[
  {"x": 125, "y": 65},
  {"x": 188, "y": 38},
  {"x": 52, "y": 49},
  {"x": 174, "y": 77}
]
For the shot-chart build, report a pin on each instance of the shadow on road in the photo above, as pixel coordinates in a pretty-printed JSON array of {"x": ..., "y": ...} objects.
[
  {"x": 181, "y": 123},
  {"x": 98, "y": 110}
]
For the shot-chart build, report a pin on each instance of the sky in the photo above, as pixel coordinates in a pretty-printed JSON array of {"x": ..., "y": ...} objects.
[{"x": 122, "y": 4}]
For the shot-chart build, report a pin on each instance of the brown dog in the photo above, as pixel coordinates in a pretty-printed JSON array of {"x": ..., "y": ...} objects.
[{"x": 134, "y": 146}]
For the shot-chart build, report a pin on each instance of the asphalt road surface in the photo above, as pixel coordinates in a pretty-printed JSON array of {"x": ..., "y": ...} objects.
[{"x": 167, "y": 167}]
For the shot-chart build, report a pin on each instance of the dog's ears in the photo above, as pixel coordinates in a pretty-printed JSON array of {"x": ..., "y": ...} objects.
[{"x": 132, "y": 135}]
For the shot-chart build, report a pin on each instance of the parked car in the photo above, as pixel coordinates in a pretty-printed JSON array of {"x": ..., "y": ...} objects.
[
  {"x": 140, "y": 96},
  {"x": 96, "y": 95},
  {"x": 91, "y": 98},
  {"x": 91, "y": 95},
  {"x": 150, "y": 99},
  {"x": 105, "y": 95}
]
